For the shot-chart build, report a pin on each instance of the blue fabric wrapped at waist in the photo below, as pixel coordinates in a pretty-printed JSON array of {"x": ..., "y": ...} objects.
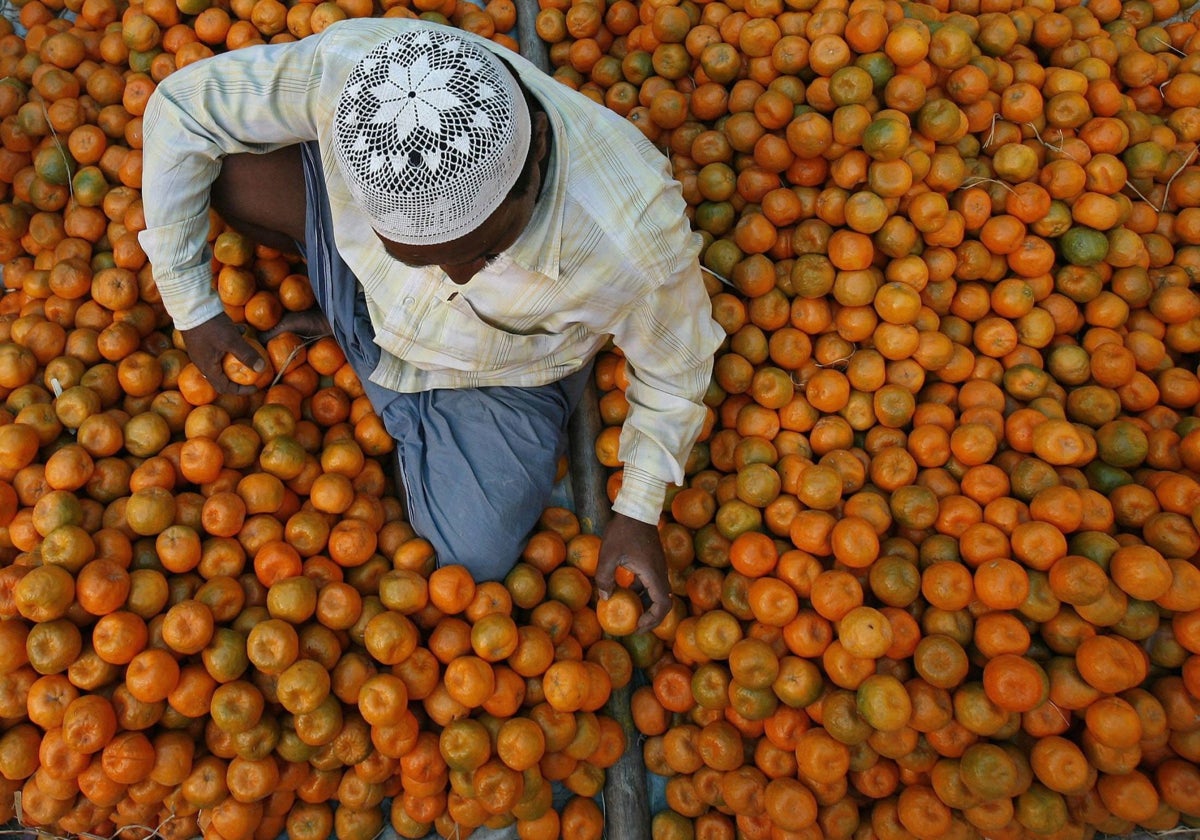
[{"x": 478, "y": 464}]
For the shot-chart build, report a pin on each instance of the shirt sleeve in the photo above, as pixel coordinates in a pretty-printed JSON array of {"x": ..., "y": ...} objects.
[
  {"x": 668, "y": 339},
  {"x": 253, "y": 100}
]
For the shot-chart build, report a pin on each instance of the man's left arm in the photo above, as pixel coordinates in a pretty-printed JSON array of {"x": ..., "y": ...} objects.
[{"x": 668, "y": 339}]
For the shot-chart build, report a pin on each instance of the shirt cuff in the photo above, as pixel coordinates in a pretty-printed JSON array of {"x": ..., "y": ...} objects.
[
  {"x": 641, "y": 496},
  {"x": 197, "y": 314}
]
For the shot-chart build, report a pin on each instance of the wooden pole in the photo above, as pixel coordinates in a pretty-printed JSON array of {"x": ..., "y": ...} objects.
[
  {"x": 532, "y": 47},
  {"x": 626, "y": 799}
]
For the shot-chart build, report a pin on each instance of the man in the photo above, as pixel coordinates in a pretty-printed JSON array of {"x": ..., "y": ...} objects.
[{"x": 475, "y": 233}]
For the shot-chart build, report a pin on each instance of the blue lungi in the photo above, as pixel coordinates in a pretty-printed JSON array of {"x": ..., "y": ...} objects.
[{"x": 478, "y": 464}]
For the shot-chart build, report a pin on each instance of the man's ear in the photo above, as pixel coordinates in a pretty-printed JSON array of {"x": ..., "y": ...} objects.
[{"x": 541, "y": 135}]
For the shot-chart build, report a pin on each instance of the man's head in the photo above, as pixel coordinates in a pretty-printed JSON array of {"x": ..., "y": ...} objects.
[{"x": 431, "y": 133}]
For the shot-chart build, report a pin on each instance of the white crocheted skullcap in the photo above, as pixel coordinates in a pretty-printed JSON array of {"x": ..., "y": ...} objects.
[{"x": 431, "y": 133}]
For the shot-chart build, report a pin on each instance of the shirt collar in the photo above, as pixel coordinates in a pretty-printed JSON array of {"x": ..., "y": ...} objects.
[{"x": 539, "y": 246}]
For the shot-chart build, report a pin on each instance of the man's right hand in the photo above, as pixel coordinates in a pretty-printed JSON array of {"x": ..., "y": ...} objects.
[{"x": 207, "y": 345}]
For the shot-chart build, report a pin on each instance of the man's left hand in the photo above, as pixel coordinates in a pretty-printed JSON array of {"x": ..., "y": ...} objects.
[{"x": 636, "y": 546}]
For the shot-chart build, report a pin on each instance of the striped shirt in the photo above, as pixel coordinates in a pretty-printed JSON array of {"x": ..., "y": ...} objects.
[{"x": 608, "y": 254}]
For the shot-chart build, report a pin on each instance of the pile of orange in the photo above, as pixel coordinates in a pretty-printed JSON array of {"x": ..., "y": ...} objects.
[
  {"x": 937, "y": 560},
  {"x": 214, "y": 618}
]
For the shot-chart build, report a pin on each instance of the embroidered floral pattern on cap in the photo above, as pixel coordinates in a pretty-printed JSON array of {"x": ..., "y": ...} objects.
[{"x": 431, "y": 133}]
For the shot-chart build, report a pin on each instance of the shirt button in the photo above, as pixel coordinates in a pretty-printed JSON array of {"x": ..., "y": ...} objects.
[{"x": 408, "y": 302}]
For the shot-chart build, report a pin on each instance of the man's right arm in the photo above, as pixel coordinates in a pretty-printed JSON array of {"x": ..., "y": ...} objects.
[{"x": 251, "y": 100}]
